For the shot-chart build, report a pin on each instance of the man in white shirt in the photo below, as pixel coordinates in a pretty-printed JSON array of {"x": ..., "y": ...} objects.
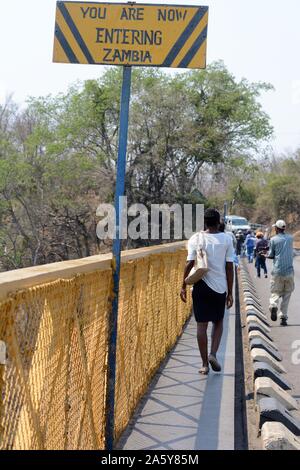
[{"x": 214, "y": 291}]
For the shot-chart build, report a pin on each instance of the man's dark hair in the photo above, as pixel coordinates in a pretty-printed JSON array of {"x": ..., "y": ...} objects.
[{"x": 211, "y": 218}]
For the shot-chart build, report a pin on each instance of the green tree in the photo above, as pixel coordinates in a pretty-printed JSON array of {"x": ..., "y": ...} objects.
[{"x": 188, "y": 133}]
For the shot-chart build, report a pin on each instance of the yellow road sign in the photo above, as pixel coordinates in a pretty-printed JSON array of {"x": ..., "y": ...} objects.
[{"x": 131, "y": 34}]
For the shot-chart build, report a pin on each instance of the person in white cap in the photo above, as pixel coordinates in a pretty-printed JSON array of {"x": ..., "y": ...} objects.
[{"x": 282, "y": 280}]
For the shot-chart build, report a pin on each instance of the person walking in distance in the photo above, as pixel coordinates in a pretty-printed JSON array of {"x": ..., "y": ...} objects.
[
  {"x": 282, "y": 280},
  {"x": 261, "y": 250},
  {"x": 214, "y": 291},
  {"x": 239, "y": 242},
  {"x": 250, "y": 245}
]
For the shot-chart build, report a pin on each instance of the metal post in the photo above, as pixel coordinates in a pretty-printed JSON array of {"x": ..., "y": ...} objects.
[
  {"x": 225, "y": 209},
  {"x": 116, "y": 261}
]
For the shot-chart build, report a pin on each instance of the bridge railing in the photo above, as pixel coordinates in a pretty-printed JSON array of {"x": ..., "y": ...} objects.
[{"x": 54, "y": 326}]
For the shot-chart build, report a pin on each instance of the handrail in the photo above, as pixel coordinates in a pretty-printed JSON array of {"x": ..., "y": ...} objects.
[{"x": 19, "y": 279}]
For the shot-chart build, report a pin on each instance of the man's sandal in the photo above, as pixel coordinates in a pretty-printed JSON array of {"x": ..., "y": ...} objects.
[
  {"x": 204, "y": 370},
  {"x": 214, "y": 363}
]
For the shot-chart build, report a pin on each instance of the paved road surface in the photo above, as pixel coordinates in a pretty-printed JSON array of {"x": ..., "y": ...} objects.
[{"x": 285, "y": 337}]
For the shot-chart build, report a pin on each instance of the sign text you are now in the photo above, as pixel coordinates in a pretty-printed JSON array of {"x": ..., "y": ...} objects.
[{"x": 131, "y": 34}]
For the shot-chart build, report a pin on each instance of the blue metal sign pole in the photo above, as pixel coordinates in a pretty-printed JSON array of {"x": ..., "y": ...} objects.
[
  {"x": 116, "y": 261},
  {"x": 225, "y": 209}
]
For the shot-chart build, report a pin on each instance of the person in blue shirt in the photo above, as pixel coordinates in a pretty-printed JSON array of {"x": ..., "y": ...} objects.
[
  {"x": 282, "y": 280},
  {"x": 250, "y": 245}
]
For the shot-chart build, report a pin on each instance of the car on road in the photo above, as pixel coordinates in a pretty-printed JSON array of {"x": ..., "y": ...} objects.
[{"x": 236, "y": 222}]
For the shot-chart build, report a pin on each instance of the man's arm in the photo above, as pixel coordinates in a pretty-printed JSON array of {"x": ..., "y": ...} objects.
[
  {"x": 271, "y": 254},
  {"x": 186, "y": 272},
  {"x": 229, "y": 276}
]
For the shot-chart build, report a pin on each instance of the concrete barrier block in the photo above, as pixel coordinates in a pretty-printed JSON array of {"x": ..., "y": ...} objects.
[
  {"x": 265, "y": 387},
  {"x": 249, "y": 291},
  {"x": 259, "y": 316},
  {"x": 249, "y": 301},
  {"x": 263, "y": 326},
  {"x": 261, "y": 344},
  {"x": 271, "y": 410},
  {"x": 248, "y": 286},
  {"x": 275, "y": 436},
  {"x": 259, "y": 355},
  {"x": 250, "y": 295},
  {"x": 258, "y": 335},
  {"x": 253, "y": 307},
  {"x": 247, "y": 280},
  {"x": 255, "y": 311},
  {"x": 262, "y": 369},
  {"x": 253, "y": 326}
]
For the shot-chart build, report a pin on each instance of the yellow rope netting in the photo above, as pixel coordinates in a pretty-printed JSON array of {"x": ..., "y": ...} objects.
[{"x": 52, "y": 388}]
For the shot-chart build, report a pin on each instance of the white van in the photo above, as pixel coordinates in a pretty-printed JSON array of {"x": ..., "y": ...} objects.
[{"x": 236, "y": 222}]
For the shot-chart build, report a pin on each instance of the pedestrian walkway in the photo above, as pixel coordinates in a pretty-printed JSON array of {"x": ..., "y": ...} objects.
[{"x": 183, "y": 409}]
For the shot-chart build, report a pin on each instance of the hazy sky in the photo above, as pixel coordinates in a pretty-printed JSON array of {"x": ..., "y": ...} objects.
[{"x": 257, "y": 39}]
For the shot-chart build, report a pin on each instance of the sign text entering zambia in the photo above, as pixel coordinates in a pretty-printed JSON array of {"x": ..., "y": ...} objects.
[{"x": 131, "y": 34}]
